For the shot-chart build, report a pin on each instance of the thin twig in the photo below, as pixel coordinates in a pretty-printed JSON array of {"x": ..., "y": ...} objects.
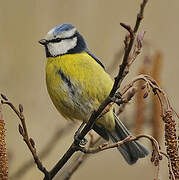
[
  {"x": 45, "y": 151},
  {"x": 81, "y": 159},
  {"x": 23, "y": 131},
  {"x": 107, "y": 145},
  {"x": 140, "y": 16},
  {"x": 122, "y": 69}
]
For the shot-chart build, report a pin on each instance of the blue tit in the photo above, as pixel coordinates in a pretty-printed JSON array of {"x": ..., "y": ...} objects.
[{"x": 78, "y": 83}]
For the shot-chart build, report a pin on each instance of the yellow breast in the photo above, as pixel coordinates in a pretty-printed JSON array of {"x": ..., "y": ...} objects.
[{"x": 77, "y": 84}]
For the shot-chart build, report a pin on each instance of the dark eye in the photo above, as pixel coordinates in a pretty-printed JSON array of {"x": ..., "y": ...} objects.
[{"x": 55, "y": 40}]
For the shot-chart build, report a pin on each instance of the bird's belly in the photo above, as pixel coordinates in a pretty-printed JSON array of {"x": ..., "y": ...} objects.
[{"x": 70, "y": 102}]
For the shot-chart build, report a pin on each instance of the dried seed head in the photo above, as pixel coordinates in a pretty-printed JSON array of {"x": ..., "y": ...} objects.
[
  {"x": 145, "y": 95},
  {"x": 131, "y": 93},
  {"x": 143, "y": 86},
  {"x": 21, "y": 131},
  {"x": 160, "y": 157},
  {"x": 3, "y": 151},
  {"x": 156, "y": 162},
  {"x": 153, "y": 153},
  {"x": 152, "y": 159},
  {"x": 134, "y": 90},
  {"x": 154, "y": 91},
  {"x": 20, "y": 108},
  {"x": 127, "y": 36},
  {"x": 153, "y": 82},
  {"x": 32, "y": 142},
  {"x": 4, "y": 97},
  {"x": 139, "y": 38}
]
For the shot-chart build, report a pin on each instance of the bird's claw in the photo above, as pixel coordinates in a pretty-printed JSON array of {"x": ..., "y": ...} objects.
[
  {"x": 118, "y": 95},
  {"x": 81, "y": 142}
]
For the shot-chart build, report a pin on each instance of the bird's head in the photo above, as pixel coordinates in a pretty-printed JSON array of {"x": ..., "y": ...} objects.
[{"x": 63, "y": 39}]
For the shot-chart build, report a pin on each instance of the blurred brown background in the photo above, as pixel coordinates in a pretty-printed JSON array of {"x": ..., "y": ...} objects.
[{"x": 22, "y": 76}]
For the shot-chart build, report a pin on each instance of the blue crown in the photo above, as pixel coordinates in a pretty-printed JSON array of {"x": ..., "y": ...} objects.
[{"x": 62, "y": 28}]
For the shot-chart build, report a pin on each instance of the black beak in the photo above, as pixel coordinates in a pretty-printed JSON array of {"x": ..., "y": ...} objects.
[{"x": 43, "y": 42}]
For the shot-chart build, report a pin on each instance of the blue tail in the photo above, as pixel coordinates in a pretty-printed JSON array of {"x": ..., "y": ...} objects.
[{"x": 131, "y": 151}]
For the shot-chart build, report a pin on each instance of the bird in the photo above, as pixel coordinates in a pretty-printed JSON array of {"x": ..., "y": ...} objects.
[{"x": 78, "y": 83}]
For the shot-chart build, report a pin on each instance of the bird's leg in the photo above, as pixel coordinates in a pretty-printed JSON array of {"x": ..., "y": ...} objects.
[{"x": 83, "y": 141}]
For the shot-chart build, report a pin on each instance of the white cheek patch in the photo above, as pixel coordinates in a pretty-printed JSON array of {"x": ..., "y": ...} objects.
[{"x": 62, "y": 47}]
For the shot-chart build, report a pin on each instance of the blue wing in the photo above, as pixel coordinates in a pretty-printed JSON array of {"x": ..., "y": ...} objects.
[{"x": 94, "y": 57}]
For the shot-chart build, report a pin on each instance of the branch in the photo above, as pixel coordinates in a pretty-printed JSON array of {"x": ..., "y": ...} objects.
[
  {"x": 122, "y": 69},
  {"x": 45, "y": 151},
  {"x": 126, "y": 99},
  {"x": 24, "y": 133},
  {"x": 107, "y": 145},
  {"x": 140, "y": 16},
  {"x": 81, "y": 159}
]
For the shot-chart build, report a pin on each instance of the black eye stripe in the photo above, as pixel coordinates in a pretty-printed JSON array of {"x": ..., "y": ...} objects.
[
  {"x": 60, "y": 39},
  {"x": 55, "y": 40}
]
